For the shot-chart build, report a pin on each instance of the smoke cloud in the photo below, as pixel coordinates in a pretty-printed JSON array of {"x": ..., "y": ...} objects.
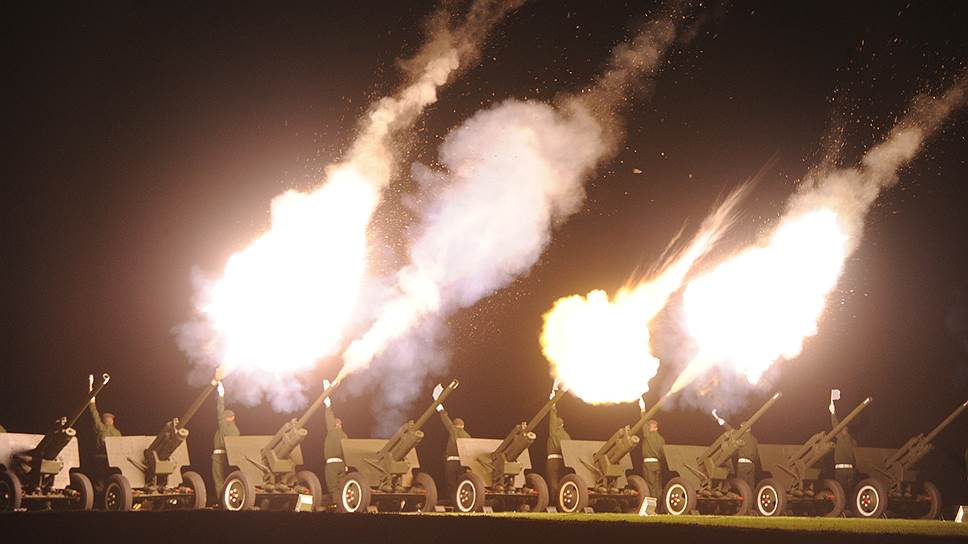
[
  {"x": 510, "y": 175},
  {"x": 759, "y": 306},
  {"x": 283, "y": 302}
]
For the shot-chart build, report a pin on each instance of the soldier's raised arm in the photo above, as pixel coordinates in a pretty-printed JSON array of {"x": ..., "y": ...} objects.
[
  {"x": 220, "y": 409},
  {"x": 448, "y": 424},
  {"x": 99, "y": 425}
]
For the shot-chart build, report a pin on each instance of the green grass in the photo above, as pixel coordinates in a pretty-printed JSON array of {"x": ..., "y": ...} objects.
[{"x": 838, "y": 525}]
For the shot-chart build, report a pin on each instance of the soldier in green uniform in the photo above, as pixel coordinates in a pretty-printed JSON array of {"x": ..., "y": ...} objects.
[
  {"x": 103, "y": 427},
  {"x": 652, "y": 454},
  {"x": 226, "y": 427},
  {"x": 843, "y": 448},
  {"x": 333, "y": 447},
  {"x": 747, "y": 458},
  {"x": 556, "y": 433},
  {"x": 455, "y": 430}
]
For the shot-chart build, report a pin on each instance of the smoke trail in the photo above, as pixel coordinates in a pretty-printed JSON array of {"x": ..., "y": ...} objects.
[
  {"x": 759, "y": 306},
  {"x": 283, "y": 302},
  {"x": 511, "y": 174}
]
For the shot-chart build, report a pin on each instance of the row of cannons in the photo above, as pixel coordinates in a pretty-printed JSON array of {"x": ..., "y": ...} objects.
[{"x": 152, "y": 472}]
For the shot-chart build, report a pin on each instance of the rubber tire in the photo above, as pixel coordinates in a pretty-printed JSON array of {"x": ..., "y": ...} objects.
[
  {"x": 353, "y": 480},
  {"x": 742, "y": 488},
  {"x": 840, "y": 497},
  {"x": 82, "y": 484},
  {"x": 194, "y": 481},
  {"x": 684, "y": 486},
  {"x": 475, "y": 484},
  {"x": 427, "y": 483},
  {"x": 931, "y": 491},
  {"x": 880, "y": 491},
  {"x": 308, "y": 479},
  {"x": 10, "y": 486},
  {"x": 246, "y": 487},
  {"x": 122, "y": 488},
  {"x": 640, "y": 486},
  {"x": 577, "y": 485},
  {"x": 777, "y": 491},
  {"x": 537, "y": 482}
]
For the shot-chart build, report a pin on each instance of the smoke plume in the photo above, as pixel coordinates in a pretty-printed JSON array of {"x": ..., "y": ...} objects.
[
  {"x": 510, "y": 175},
  {"x": 759, "y": 306},
  {"x": 283, "y": 302}
]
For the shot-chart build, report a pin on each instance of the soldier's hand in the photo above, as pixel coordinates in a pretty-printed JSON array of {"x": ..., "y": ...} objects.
[
  {"x": 440, "y": 407},
  {"x": 832, "y": 409},
  {"x": 642, "y": 404},
  {"x": 554, "y": 388},
  {"x": 90, "y": 383},
  {"x": 221, "y": 389},
  {"x": 326, "y": 401}
]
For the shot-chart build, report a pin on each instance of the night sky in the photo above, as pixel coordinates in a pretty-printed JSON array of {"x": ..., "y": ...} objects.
[{"x": 144, "y": 142}]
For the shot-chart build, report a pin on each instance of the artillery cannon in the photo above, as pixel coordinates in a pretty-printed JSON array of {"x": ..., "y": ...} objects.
[
  {"x": 41, "y": 470},
  {"x": 703, "y": 477},
  {"x": 384, "y": 472},
  {"x": 891, "y": 483},
  {"x": 497, "y": 473},
  {"x": 794, "y": 483},
  {"x": 148, "y": 472},
  {"x": 265, "y": 474},
  {"x": 600, "y": 473}
]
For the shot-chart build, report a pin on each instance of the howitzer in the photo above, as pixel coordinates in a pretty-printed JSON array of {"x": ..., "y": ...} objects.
[
  {"x": 794, "y": 484},
  {"x": 504, "y": 459},
  {"x": 44, "y": 457},
  {"x": 728, "y": 443},
  {"x": 705, "y": 479},
  {"x": 606, "y": 460},
  {"x": 276, "y": 454},
  {"x": 891, "y": 476},
  {"x": 391, "y": 459},
  {"x": 908, "y": 456},
  {"x": 172, "y": 435}
]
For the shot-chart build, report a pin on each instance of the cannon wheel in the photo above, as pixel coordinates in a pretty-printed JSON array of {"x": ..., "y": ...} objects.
[
  {"x": 85, "y": 491},
  {"x": 639, "y": 485},
  {"x": 354, "y": 494},
  {"x": 934, "y": 496},
  {"x": 679, "y": 497},
  {"x": 11, "y": 494},
  {"x": 537, "y": 482},
  {"x": 423, "y": 481},
  {"x": 870, "y": 498},
  {"x": 194, "y": 481},
  {"x": 742, "y": 488},
  {"x": 238, "y": 493},
  {"x": 837, "y": 496},
  {"x": 469, "y": 494},
  {"x": 770, "y": 498},
  {"x": 572, "y": 494},
  {"x": 117, "y": 494},
  {"x": 309, "y": 480}
]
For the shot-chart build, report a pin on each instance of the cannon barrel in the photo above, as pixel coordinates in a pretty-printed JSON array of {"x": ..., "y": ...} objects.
[
  {"x": 919, "y": 446},
  {"x": 292, "y": 432},
  {"x": 173, "y": 433},
  {"x": 611, "y": 447},
  {"x": 728, "y": 442},
  {"x": 190, "y": 413},
  {"x": 846, "y": 421},
  {"x": 55, "y": 440},
  {"x": 422, "y": 420},
  {"x": 745, "y": 427},
  {"x": 647, "y": 415},
  {"x": 522, "y": 437}
]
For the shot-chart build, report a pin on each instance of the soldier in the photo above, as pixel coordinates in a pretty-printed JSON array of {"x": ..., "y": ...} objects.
[
  {"x": 456, "y": 430},
  {"x": 333, "y": 447},
  {"x": 843, "y": 448},
  {"x": 652, "y": 454},
  {"x": 556, "y": 433},
  {"x": 747, "y": 457},
  {"x": 104, "y": 427},
  {"x": 226, "y": 427}
]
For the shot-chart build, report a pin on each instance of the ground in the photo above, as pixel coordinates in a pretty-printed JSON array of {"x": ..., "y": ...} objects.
[{"x": 272, "y": 527}]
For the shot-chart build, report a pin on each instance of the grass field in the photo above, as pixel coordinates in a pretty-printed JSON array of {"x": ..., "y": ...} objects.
[{"x": 799, "y": 524}]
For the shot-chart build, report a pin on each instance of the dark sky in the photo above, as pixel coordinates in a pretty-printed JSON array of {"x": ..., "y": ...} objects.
[{"x": 143, "y": 142}]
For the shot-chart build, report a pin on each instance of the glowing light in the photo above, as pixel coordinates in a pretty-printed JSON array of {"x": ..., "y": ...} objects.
[
  {"x": 759, "y": 306},
  {"x": 283, "y": 301}
]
